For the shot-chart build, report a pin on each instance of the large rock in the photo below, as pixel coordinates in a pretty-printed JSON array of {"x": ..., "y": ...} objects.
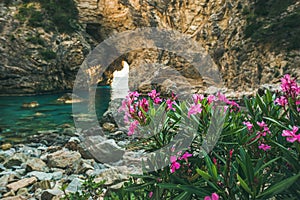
[
  {"x": 16, "y": 160},
  {"x": 64, "y": 159},
  {"x": 42, "y": 176},
  {"x": 52, "y": 194},
  {"x": 103, "y": 150},
  {"x": 21, "y": 183},
  {"x": 36, "y": 164}
]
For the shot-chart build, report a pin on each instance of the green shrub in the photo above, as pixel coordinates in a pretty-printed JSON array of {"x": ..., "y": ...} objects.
[
  {"x": 281, "y": 32},
  {"x": 256, "y": 156},
  {"x": 55, "y": 15},
  {"x": 48, "y": 54},
  {"x": 36, "y": 40}
]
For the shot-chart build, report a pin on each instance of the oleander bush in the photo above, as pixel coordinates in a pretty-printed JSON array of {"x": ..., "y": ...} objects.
[
  {"x": 236, "y": 152},
  {"x": 255, "y": 157}
]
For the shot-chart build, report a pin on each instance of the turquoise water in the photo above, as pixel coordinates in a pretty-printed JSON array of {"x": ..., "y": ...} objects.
[{"x": 16, "y": 123}]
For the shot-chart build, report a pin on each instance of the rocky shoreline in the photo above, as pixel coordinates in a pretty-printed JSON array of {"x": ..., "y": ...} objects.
[{"x": 39, "y": 168}]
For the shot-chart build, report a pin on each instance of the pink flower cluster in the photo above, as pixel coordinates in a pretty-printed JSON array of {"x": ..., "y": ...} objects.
[
  {"x": 176, "y": 165},
  {"x": 214, "y": 196},
  {"x": 291, "y": 90},
  {"x": 261, "y": 134},
  {"x": 249, "y": 125},
  {"x": 197, "y": 105},
  {"x": 290, "y": 86},
  {"x": 291, "y": 134},
  {"x": 136, "y": 108}
]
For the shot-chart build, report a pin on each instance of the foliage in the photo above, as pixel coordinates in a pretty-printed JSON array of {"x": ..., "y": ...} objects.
[
  {"x": 90, "y": 189},
  {"x": 48, "y": 54},
  {"x": 60, "y": 15},
  {"x": 255, "y": 157},
  {"x": 36, "y": 40},
  {"x": 268, "y": 22}
]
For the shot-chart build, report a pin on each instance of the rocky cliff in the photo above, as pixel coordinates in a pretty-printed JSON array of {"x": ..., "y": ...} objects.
[
  {"x": 34, "y": 58},
  {"x": 251, "y": 42}
]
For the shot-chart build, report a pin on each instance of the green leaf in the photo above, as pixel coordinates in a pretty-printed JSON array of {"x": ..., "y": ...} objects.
[
  {"x": 279, "y": 187},
  {"x": 204, "y": 174},
  {"x": 244, "y": 184},
  {"x": 265, "y": 165},
  {"x": 276, "y": 122},
  {"x": 183, "y": 196}
]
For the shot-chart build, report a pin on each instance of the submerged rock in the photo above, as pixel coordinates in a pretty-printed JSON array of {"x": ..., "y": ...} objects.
[
  {"x": 32, "y": 104},
  {"x": 69, "y": 98}
]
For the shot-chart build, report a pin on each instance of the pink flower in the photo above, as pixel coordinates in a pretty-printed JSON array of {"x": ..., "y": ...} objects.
[
  {"x": 174, "y": 97},
  {"x": 249, "y": 125},
  {"x": 211, "y": 98},
  {"x": 264, "y": 147},
  {"x": 231, "y": 152},
  {"x": 143, "y": 103},
  {"x": 282, "y": 101},
  {"x": 150, "y": 194},
  {"x": 291, "y": 135},
  {"x": 289, "y": 86},
  {"x": 157, "y": 100},
  {"x": 132, "y": 127},
  {"x": 215, "y": 161},
  {"x": 185, "y": 156},
  {"x": 133, "y": 95},
  {"x": 264, "y": 126},
  {"x": 155, "y": 96},
  {"x": 222, "y": 97},
  {"x": 169, "y": 104},
  {"x": 194, "y": 109},
  {"x": 175, "y": 165},
  {"x": 198, "y": 98},
  {"x": 214, "y": 196}
]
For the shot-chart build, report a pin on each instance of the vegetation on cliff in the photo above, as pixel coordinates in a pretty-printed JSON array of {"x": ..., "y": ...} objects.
[
  {"x": 274, "y": 23},
  {"x": 52, "y": 15}
]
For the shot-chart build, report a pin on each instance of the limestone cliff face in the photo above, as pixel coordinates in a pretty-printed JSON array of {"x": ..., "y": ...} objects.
[
  {"x": 35, "y": 60},
  {"x": 218, "y": 25}
]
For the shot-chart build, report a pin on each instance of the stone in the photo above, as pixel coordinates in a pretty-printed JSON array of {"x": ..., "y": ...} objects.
[
  {"x": 57, "y": 175},
  {"x": 84, "y": 167},
  {"x": 40, "y": 175},
  {"x": 36, "y": 164},
  {"x": 14, "y": 198},
  {"x": 69, "y": 98},
  {"x": 21, "y": 183},
  {"x": 103, "y": 150},
  {"x": 32, "y": 104},
  {"x": 52, "y": 194},
  {"x": 108, "y": 126},
  {"x": 4, "y": 180},
  {"x": 44, "y": 185},
  {"x": 111, "y": 175},
  {"x": 6, "y": 146},
  {"x": 23, "y": 192},
  {"x": 16, "y": 160},
  {"x": 74, "y": 186},
  {"x": 64, "y": 159}
]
